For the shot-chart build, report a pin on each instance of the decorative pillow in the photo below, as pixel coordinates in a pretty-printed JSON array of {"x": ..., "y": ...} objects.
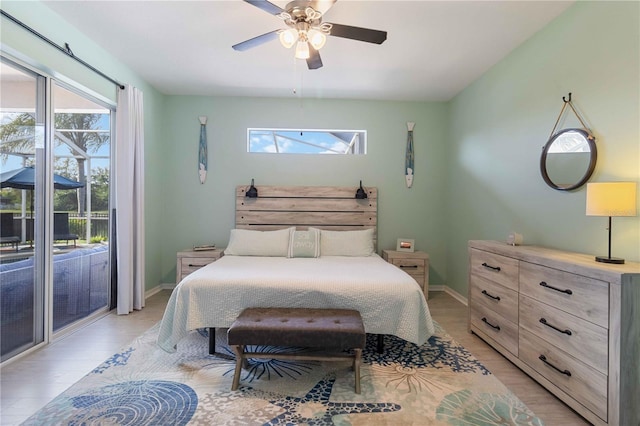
[
  {"x": 246, "y": 242},
  {"x": 346, "y": 243},
  {"x": 305, "y": 243}
]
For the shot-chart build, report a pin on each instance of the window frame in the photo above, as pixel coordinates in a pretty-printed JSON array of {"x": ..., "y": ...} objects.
[{"x": 357, "y": 148}]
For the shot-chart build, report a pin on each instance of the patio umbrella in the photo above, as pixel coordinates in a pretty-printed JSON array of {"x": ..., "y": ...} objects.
[{"x": 24, "y": 178}]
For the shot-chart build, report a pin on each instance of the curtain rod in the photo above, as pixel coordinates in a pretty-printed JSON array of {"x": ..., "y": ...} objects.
[{"x": 66, "y": 50}]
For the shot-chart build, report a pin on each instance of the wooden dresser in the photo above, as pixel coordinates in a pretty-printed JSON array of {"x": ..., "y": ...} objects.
[
  {"x": 571, "y": 323},
  {"x": 189, "y": 261},
  {"x": 414, "y": 263}
]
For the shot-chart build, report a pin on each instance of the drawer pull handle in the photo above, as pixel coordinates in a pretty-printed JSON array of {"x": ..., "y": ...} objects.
[
  {"x": 191, "y": 265},
  {"x": 544, "y": 359},
  {"x": 544, "y": 321},
  {"x": 544, "y": 284},
  {"x": 495, "y": 268},
  {"x": 497, "y": 327},
  {"x": 489, "y": 295},
  {"x": 408, "y": 266}
]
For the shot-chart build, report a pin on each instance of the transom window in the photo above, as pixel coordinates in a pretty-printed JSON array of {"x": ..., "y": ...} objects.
[{"x": 306, "y": 141}]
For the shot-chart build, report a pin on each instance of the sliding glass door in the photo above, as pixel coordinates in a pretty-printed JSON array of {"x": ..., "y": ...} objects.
[
  {"x": 55, "y": 151},
  {"x": 80, "y": 243},
  {"x": 22, "y": 122}
]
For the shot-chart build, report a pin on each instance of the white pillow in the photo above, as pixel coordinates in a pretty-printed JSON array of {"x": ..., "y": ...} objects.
[
  {"x": 346, "y": 243},
  {"x": 305, "y": 243},
  {"x": 246, "y": 242}
]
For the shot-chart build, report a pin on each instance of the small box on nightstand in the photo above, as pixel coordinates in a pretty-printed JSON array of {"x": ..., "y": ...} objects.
[{"x": 414, "y": 263}]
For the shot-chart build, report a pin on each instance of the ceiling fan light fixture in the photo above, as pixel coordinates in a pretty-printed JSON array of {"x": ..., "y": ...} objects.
[
  {"x": 302, "y": 50},
  {"x": 306, "y": 29},
  {"x": 312, "y": 14},
  {"x": 316, "y": 38},
  {"x": 288, "y": 37}
]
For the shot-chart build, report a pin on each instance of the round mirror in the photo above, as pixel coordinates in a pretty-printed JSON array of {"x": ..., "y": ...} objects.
[{"x": 568, "y": 159}]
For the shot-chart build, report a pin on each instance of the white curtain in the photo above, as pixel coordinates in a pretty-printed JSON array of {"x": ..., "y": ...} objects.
[{"x": 129, "y": 189}]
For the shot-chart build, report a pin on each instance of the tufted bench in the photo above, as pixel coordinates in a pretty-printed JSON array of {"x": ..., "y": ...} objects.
[{"x": 338, "y": 329}]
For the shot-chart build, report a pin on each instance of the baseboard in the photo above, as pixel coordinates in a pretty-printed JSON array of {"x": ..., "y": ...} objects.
[
  {"x": 158, "y": 289},
  {"x": 451, "y": 292}
]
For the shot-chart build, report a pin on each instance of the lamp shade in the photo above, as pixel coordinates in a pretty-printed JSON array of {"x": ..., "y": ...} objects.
[
  {"x": 611, "y": 199},
  {"x": 316, "y": 38},
  {"x": 288, "y": 37},
  {"x": 302, "y": 50}
]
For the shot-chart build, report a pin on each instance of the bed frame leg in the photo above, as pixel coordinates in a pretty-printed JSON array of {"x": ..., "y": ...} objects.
[
  {"x": 212, "y": 341},
  {"x": 380, "y": 343}
]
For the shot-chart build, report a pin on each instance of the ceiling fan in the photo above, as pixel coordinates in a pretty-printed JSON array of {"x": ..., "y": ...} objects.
[{"x": 306, "y": 29}]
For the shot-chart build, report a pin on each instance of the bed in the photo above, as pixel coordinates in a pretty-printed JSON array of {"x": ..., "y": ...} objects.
[{"x": 310, "y": 247}]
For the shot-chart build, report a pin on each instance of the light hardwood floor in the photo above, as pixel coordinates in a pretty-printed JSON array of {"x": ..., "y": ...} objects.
[
  {"x": 452, "y": 316},
  {"x": 28, "y": 384}
]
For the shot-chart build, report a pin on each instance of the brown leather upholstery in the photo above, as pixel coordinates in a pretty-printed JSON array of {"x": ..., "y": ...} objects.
[{"x": 303, "y": 327}]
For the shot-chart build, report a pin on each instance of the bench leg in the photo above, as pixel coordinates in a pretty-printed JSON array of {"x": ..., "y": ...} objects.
[
  {"x": 380, "y": 343},
  {"x": 356, "y": 366},
  {"x": 239, "y": 350}
]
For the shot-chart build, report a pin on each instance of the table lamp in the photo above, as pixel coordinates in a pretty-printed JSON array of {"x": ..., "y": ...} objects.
[{"x": 611, "y": 199}]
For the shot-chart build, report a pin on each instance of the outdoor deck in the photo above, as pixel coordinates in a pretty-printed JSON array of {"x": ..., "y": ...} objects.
[{"x": 81, "y": 285}]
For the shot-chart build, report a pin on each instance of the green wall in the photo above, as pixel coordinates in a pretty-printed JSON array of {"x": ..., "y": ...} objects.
[
  {"x": 199, "y": 213},
  {"x": 499, "y": 124},
  {"x": 20, "y": 44},
  {"x": 477, "y": 156}
]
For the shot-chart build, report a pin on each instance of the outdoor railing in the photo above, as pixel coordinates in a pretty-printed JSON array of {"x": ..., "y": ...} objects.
[
  {"x": 99, "y": 225},
  {"x": 77, "y": 225}
]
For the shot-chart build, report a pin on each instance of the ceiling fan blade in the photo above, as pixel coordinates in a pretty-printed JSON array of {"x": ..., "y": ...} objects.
[
  {"x": 321, "y": 6},
  {"x": 266, "y": 6},
  {"x": 256, "y": 41},
  {"x": 357, "y": 33},
  {"x": 314, "y": 61}
]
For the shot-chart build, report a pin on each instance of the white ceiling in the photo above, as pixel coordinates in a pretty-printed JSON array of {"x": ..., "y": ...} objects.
[{"x": 434, "y": 49}]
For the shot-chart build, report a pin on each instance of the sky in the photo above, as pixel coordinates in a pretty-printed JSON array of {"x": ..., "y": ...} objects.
[{"x": 100, "y": 158}]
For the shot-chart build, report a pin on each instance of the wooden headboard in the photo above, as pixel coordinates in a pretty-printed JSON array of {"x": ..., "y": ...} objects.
[{"x": 324, "y": 207}]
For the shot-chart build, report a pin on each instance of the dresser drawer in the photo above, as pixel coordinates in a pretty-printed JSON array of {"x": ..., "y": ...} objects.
[
  {"x": 410, "y": 266},
  {"x": 189, "y": 261},
  {"x": 192, "y": 264},
  {"x": 583, "y": 297},
  {"x": 567, "y": 332},
  {"x": 496, "y": 326},
  {"x": 494, "y": 267},
  {"x": 584, "y": 384},
  {"x": 496, "y": 297}
]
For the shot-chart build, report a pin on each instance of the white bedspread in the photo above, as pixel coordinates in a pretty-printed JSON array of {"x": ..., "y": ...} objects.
[{"x": 389, "y": 300}]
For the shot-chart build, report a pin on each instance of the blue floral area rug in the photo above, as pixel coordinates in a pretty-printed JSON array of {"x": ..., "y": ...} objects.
[{"x": 438, "y": 383}]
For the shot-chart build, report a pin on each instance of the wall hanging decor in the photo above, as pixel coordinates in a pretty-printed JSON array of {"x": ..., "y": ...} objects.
[
  {"x": 569, "y": 157},
  {"x": 202, "y": 151},
  {"x": 408, "y": 160}
]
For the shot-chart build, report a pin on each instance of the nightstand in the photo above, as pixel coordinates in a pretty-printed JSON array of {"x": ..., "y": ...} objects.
[
  {"x": 414, "y": 263},
  {"x": 192, "y": 260}
]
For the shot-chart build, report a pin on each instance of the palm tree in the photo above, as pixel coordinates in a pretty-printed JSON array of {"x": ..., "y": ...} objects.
[
  {"x": 69, "y": 130},
  {"x": 76, "y": 130},
  {"x": 16, "y": 136}
]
